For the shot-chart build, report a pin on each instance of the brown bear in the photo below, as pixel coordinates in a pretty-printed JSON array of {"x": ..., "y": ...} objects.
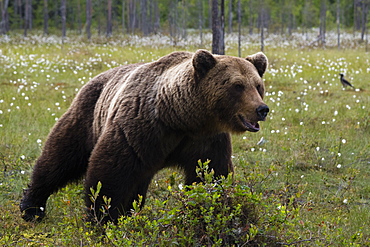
[{"x": 129, "y": 122}]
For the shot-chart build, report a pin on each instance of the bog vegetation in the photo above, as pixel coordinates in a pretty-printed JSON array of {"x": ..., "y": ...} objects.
[{"x": 301, "y": 181}]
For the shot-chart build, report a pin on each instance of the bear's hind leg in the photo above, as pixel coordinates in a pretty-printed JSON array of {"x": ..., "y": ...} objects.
[{"x": 64, "y": 159}]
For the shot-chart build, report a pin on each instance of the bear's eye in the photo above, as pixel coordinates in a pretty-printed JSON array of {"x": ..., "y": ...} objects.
[{"x": 239, "y": 87}]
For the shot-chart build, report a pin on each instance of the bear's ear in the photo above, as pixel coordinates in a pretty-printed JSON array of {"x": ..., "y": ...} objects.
[
  {"x": 259, "y": 60},
  {"x": 203, "y": 61}
]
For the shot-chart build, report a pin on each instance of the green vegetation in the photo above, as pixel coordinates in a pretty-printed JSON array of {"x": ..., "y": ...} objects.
[{"x": 302, "y": 180}]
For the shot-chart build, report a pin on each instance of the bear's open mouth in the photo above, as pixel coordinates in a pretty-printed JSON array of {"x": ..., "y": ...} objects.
[{"x": 250, "y": 126}]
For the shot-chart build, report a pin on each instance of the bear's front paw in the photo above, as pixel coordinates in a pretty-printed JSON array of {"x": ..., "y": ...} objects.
[{"x": 31, "y": 212}]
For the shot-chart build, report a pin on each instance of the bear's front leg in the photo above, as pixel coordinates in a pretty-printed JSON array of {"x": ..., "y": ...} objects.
[
  {"x": 115, "y": 165},
  {"x": 217, "y": 149}
]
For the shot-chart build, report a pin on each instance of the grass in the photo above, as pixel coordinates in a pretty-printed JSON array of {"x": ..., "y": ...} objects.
[{"x": 304, "y": 184}]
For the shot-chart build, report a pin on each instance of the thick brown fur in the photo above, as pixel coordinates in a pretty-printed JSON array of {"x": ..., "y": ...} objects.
[{"x": 128, "y": 123}]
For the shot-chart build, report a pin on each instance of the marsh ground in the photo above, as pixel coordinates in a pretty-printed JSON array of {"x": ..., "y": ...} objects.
[{"x": 310, "y": 161}]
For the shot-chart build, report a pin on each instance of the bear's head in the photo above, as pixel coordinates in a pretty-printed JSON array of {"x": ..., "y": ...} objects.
[{"x": 232, "y": 90}]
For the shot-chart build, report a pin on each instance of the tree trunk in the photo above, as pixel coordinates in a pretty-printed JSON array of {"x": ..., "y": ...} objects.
[
  {"x": 200, "y": 21},
  {"x": 184, "y": 18},
  {"x": 323, "y": 22},
  {"x": 308, "y": 16},
  {"x": 222, "y": 44},
  {"x": 20, "y": 13},
  {"x": 79, "y": 23},
  {"x": 366, "y": 40},
  {"x": 239, "y": 27},
  {"x": 216, "y": 29},
  {"x": 27, "y": 17},
  {"x": 210, "y": 22},
  {"x": 157, "y": 22},
  {"x": 365, "y": 8},
  {"x": 88, "y": 18},
  {"x": 56, "y": 16},
  {"x": 46, "y": 17},
  {"x": 123, "y": 16},
  {"x": 338, "y": 23},
  {"x": 30, "y": 19},
  {"x": 109, "y": 18},
  {"x": 304, "y": 17},
  {"x": 98, "y": 11},
  {"x": 291, "y": 17},
  {"x": 262, "y": 19},
  {"x": 230, "y": 21},
  {"x": 173, "y": 21},
  {"x": 150, "y": 16},
  {"x": 356, "y": 16},
  {"x": 4, "y": 25},
  {"x": 250, "y": 17},
  {"x": 282, "y": 26},
  {"x": 144, "y": 15},
  {"x": 132, "y": 15},
  {"x": 63, "y": 10}
]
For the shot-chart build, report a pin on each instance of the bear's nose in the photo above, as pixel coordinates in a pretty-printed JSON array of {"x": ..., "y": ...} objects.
[{"x": 262, "y": 111}]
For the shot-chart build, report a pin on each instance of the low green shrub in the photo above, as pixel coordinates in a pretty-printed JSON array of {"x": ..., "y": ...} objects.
[{"x": 211, "y": 213}]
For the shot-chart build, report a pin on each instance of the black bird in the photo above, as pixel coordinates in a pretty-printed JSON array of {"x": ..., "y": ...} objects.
[{"x": 344, "y": 82}]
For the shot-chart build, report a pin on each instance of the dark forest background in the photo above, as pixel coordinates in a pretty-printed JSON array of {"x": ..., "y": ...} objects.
[{"x": 176, "y": 17}]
